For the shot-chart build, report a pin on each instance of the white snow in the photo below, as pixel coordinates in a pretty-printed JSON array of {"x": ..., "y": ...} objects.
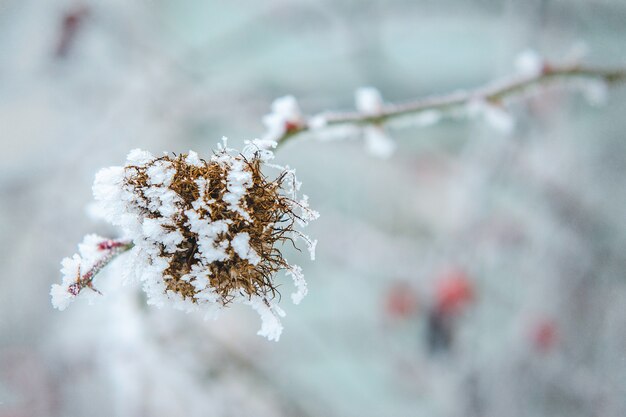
[
  {"x": 60, "y": 293},
  {"x": 161, "y": 173},
  {"x": 529, "y": 63},
  {"x": 298, "y": 280},
  {"x": 193, "y": 159},
  {"x": 238, "y": 181},
  {"x": 318, "y": 121},
  {"x": 285, "y": 111},
  {"x": 368, "y": 100},
  {"x": 241, "y": 246},
  {"x": 495, "y": 116},
  {"x": 260, "y": 148},
  {"x": 74, "y": 268},
  {"x": 377, "y": 142},
  {"x": 595, "y": 92},
  {"x": 271, "y": 327},
  {"x": 138, "y": 157}
]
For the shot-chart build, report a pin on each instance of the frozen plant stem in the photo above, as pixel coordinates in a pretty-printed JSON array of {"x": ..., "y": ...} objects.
[
  {"x": 111, "y": 249},
  {"x": 493, "y": 93}
]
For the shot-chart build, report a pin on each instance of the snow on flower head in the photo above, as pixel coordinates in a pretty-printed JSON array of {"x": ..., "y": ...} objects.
[{"x": 206, "y": 233}]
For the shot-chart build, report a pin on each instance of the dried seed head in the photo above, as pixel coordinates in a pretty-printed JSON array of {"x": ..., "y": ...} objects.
[
  {"x": 208, "y": 232},
  {"x": 224, "y": 219}
]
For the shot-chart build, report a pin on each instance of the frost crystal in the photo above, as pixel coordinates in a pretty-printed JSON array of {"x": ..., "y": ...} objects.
[
  {"x": 369, "y": 101},
  {"x": 205, "y": 232},
  {"x": 529, "y": 63},
  {"x": 495, "y": 116},
  {"x": 596, "y": 92},
  {"x": 285, "y": 117},
  {"x": 79, "y": 270},
  {"x": 377, "y": 142}
]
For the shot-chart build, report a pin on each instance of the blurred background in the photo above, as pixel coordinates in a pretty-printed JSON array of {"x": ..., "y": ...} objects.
[{"x": 472, "y": 274}]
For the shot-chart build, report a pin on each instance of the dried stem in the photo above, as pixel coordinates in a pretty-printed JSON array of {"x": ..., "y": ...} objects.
[
  {"x": 111, "y": 249},
  {"x": 494, "y": 93}
]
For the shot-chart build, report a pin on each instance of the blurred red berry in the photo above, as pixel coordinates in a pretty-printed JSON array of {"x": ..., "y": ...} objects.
[
  {"x": 454, "y": 291},
  {"x": 544, "y": 335},
  {"x": 401, "y": 301}
]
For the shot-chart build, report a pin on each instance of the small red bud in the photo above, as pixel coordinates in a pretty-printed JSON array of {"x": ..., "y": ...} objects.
[{"x": 291, "y": 127}]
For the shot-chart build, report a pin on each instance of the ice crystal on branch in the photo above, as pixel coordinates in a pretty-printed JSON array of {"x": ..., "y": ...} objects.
[
  {"x": 79, "y": 270},
  {"x": 206, "y": 233},
  {"x": 491, "y": 103},
  {"x": 529, "y": 63},
  {"x": 285, "y": 118},
  {"x": 369, "y": 101}
]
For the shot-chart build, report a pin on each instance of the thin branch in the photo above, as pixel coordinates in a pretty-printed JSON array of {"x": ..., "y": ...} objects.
[
  {"x": 495, "y": 93},
  {"x": 111, "y": 249}
]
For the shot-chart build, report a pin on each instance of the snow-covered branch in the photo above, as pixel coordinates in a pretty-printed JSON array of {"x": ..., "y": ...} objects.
[
  {"x": 286, "y": 121},
  {"x": 79, "y": 271}
]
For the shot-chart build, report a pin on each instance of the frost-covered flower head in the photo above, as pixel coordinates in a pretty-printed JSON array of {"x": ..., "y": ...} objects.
[{"x": 206, "y": 233}]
